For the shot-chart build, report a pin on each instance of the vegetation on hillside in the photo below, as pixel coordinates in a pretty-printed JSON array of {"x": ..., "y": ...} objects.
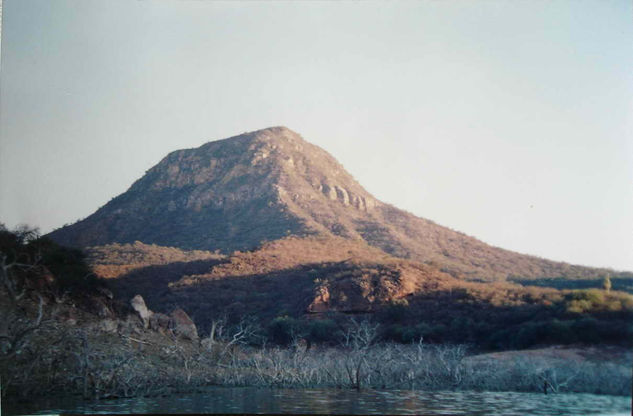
[
  {"x": 287, "y": 290},
  {"x": 388, "y": 323},
  {"x": 113, "y": 260},
  {"x": 622, "y": 284},
  {"x": 29, "y": 261},
  {"x": 37, "y": 277},
  {"x": 95, "y": 363}
]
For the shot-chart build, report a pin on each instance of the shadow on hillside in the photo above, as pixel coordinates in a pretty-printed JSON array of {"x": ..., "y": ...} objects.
[
  {"x": 153, "y": 281},
  {"x": 284, "y": 292},
  {"x": 487, "y": 315}
]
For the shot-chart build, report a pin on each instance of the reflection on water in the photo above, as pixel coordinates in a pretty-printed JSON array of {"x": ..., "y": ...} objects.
[{"x": 257, "y": 400}]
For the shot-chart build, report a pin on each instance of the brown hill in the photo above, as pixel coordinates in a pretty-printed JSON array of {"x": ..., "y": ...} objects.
[
  {"x": 236, "y": 193},
  {"x": 342, "y": 275},
  {"x": 315, "y": 274},
  {"x": 301, "y": 280}
]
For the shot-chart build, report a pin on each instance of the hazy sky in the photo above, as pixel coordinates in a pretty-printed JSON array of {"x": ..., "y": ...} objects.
[{"x": 511, "y": 121}]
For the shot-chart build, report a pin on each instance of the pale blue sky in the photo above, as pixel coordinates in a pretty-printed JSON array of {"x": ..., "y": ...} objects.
[{"x": 511, "y": 121}]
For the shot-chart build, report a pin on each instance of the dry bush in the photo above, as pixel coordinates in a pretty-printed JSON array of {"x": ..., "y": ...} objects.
[{"x": 423, "y": 367}]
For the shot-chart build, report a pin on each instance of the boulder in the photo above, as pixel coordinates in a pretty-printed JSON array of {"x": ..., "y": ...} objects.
[
  {"x": 131, "y": 324},
  {"x": 138, "y": 304},
  {"x": 159, "y": 322},
  {"x": 182, "y": 325}
]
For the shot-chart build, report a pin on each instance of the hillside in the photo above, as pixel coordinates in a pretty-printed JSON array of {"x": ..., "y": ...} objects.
[
  {"x": 296, "y": 281},
  {"x": 65, "y": 335},
  {"x": 112, "y": 260},
  {"x": 236, "y": 193}
]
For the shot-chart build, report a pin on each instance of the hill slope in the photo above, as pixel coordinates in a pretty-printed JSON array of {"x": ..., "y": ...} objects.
[
  {"x": 236, "y": 193},
  {"x": 300, "y": 280}
]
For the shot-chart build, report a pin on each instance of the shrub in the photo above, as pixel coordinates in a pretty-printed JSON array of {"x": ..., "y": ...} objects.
[
  {"x": 396, "y": 311},
  {"x": 283, "y": 329},
  {"x": 322, "y": 330},
  {"x": 587, "y": 330},
  {"x": 69, "y": 267}
]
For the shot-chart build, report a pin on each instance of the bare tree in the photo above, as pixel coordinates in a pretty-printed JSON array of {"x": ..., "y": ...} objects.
[
  {"x": 246, "y": 330},
  {"x": 359, "y": 337},
  {"x": 16, "y": 331},
  {"x": 9, "y": 266},
  {"x": 16, "y": 326},
  {"x": 217, "y": 329}
]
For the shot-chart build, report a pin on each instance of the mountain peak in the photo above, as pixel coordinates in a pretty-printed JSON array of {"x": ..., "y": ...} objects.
[
  {"x": 235, "y": 193},
  {"x": 274, "y": 134},
  {"x": 229, "y": 194},
  {"x": 276, "y": 131}
]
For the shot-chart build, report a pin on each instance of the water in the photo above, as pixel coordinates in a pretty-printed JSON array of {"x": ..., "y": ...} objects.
[{"x": 330, "y": 401}]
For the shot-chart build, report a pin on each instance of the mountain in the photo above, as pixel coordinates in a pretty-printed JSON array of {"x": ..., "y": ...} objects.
[{"x": 238, "y": 193}]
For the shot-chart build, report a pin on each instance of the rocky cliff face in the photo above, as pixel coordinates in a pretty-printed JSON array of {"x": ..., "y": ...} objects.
[{"x": 233, "y": 194}]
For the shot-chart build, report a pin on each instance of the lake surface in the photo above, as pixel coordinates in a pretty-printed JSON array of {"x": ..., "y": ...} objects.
[{"x": 261, "y": 400}]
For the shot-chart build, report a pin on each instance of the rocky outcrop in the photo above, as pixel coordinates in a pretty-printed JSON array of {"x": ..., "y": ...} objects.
[
  {"x": 321, "y": 300},
  {"x": 362, "y": 287},
  {"x": 177, "y": 323},
  {"x": 182, "y": 325},
  {"x": 138, "y": 304}
]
